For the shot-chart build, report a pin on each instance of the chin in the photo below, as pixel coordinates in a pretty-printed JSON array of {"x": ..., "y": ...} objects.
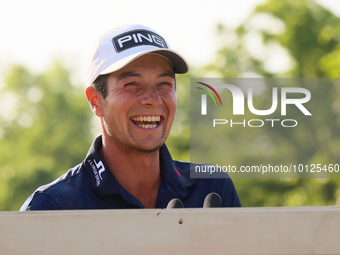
[{"x": 149, "y": 148}]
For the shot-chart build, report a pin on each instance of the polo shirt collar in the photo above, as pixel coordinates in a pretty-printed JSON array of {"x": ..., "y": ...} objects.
[{"x": 104, "y": 183}]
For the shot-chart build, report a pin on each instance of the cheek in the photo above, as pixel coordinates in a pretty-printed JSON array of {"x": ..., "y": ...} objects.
[
  {"x": 117, "y": 106},
  {"x": 174, "y": 101},
  {"x": 171, "y": 105}
]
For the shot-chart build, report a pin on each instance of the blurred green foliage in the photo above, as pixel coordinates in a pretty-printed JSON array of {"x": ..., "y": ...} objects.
[
  {"x": 46, "y": 124},
  {"x": 303, "y": 37},
  {"x": 44, "y": 131}
]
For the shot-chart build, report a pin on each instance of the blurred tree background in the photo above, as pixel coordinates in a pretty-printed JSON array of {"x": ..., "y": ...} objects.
[
  {"x": 44, "y": 130},
  {"x": 46, "y": 126},
  {"x": 283, "y": 38}
]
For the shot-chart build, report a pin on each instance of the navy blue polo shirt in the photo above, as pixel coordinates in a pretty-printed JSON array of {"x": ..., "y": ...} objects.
[{"x": 91, "y": 185}]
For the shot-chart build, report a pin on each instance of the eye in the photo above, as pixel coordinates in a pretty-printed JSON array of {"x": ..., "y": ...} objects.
[
  {"x": 166, "y": 84},
  {"x": 130, "y": 84}
]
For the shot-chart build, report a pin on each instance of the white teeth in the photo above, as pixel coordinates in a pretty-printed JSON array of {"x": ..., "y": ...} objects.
[
  {"x": 147, "y": 118},
  {"x": 147, "y": 126}
]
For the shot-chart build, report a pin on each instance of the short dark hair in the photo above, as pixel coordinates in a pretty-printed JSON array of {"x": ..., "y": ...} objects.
[{"x": 100, "y": 84}]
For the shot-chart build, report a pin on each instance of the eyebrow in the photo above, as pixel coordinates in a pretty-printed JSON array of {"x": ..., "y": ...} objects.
[
  {"x": 128, "y": 74},
  {"x": 134, "y": 74},
  {"x": 167, "y": 74}
]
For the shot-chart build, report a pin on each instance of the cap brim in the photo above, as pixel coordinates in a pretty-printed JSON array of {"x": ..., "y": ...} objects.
[{"x": 178, "y": 62}]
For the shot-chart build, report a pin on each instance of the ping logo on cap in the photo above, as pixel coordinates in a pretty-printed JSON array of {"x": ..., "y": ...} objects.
[{"x": 137, "y": 38}]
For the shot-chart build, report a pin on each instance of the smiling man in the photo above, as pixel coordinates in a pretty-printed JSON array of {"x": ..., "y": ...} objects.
[{"x": 132, "y": 90}]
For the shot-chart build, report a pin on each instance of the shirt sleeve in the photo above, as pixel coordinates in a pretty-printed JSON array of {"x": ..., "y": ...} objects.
[{"x": 40, "y": 201}]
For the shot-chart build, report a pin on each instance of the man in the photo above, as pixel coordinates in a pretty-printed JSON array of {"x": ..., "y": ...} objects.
[{"x": 132, "y": 89}]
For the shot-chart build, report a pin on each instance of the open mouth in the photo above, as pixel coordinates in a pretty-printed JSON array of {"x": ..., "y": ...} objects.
[{"x": 147, "y": 122}]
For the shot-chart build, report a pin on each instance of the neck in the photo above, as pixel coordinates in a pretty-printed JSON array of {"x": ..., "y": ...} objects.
[{"x": 139, "y": 173}]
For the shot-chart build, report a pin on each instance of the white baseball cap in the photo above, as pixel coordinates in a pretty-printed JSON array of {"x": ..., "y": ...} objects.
[{"x": 120, "y": 46}]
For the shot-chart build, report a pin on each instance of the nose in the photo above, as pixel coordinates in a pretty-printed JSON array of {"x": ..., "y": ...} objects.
[{"x": 150, "y": 97}]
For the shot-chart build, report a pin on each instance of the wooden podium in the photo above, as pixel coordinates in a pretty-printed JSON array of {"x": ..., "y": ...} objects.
[{"x": 282, "y": 230}]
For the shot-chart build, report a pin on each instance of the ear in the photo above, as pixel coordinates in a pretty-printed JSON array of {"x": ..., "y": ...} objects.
[{"x": 94, "y": 97}]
